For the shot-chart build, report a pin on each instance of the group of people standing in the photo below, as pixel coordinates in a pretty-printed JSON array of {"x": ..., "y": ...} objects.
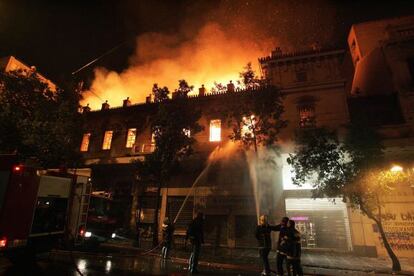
[
  {"x": 288, "y": 244},
  {"x": 195, "y": 235}
]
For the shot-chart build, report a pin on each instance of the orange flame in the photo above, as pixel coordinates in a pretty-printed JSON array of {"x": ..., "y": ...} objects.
[{"x": 212, "y": 55}]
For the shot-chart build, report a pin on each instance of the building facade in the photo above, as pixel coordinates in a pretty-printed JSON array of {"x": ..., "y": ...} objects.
[
  {"x": 321, "y": 87},
  {"x": 382, "y": 93}
]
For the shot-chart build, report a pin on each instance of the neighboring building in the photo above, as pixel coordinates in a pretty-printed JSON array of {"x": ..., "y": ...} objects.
[
  {"x": 382, "y": 94},
  {"x": 10, "y": 63},
  {"x": 314, "y": 84},
  {"x": 322, "y": 87}
]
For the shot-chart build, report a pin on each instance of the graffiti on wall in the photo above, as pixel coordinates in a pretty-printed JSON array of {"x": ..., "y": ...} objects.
[{"x": 399, "y": 230}]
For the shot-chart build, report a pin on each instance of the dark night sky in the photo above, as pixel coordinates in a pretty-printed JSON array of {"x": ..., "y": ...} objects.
[{"x": 60, "y": 36}]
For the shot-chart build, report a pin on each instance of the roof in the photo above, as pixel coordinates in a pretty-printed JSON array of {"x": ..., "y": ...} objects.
[
  {"x": 301, "y": 55},
  {"x": 10, "y": 63}
]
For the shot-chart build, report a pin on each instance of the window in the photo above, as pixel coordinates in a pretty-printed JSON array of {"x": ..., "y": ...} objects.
[
  {"x": 307, "y": 116},
  {"x": 215, "y": 130},
  {"x": 131, "y": 135},
  {"x": 301, "y": 76},
  {"x": 85, "y": 142},
  {"x": 106, "y": 145}
]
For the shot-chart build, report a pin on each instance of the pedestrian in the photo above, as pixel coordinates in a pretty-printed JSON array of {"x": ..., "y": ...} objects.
[
  {"x": 282, "y": 249},
  {"x": 195, "y": 234},
  {"x": 167, "y": 237},
  {"x": 263, "y": 231},
  {"x": 294, "y": 249}
]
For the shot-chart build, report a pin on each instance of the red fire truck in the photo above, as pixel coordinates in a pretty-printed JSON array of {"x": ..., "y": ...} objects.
[{"x": 38, "y": 208}]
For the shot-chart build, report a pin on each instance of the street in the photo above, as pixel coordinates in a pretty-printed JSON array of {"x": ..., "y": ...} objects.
[
  {"x": 97, "y": 264},
  {"x": 115, "y": 263}
]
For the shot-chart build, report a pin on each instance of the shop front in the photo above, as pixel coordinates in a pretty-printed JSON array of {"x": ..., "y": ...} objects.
[{"x": 322, "y": 222}]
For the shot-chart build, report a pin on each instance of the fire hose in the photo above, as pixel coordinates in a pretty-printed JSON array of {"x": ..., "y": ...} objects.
[
  {"x": 183, "y": 204},
  {"x": 191, "y": 189}
]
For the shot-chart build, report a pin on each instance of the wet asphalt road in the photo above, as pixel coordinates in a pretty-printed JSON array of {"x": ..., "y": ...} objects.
[{"x": 90, "y": 264}]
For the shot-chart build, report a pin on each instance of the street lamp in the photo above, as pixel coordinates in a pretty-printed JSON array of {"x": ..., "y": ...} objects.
[{"x": 396, "y": 168}]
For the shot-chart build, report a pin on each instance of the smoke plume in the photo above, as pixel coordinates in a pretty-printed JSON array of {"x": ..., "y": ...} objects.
[{"x": 212, "y": 44}]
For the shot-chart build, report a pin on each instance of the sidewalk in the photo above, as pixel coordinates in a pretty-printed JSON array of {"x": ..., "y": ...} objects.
[{"x": 314, "y": 263}]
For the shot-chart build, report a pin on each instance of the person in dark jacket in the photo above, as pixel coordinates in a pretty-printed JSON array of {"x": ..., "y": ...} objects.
[
  {"x": 195, "y": 234},
  {"x": 263, "y": 231},
  {"x": 294, "y": 249},
  {"x": 282, "y": 248},
  {"x": 167, "y": 237}
]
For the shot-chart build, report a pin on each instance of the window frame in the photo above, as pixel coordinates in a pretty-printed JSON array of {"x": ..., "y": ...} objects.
[
  {"x": 127, "y": 137},
  {"x": 110, "y": 141},
  {"x": 87, "y": 134},
  {"x": 311, "y": 120}
]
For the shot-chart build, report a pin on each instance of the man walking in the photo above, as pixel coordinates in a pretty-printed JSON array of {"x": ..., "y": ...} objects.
[{"x": 195, "y": 234}]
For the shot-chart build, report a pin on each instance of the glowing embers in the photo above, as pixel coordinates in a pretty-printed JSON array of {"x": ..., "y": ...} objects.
[
  {"x": 85, "y": 142},
  {"x": 106, "y": 145},
  {"x": 215, "y": 130},
  {"x": 131, "y": 136}
]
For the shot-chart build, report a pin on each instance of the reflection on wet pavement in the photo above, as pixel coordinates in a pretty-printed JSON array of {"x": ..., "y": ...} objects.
[{"x": 90, "y": 264}]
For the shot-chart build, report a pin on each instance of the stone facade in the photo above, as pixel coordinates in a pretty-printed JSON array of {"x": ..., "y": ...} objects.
[{"x": 321, "y": 87}]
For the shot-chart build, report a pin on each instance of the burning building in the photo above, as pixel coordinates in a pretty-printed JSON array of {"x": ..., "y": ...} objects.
[
  {"x": 10, "y": 63},
  {"x": 321, "y": 87}
]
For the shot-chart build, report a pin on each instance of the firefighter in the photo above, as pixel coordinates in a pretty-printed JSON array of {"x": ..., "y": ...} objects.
[
  {"x": 264, "y": 239},
  {"x": 167, "y": 237},
  {"x": 294, "y": 249},
  {"x": 195, "y": 234},
  {"x": 282, "y": 248}
]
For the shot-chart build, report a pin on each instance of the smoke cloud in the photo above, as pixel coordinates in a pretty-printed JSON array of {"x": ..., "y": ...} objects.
[{"x": 212, "y": 44}]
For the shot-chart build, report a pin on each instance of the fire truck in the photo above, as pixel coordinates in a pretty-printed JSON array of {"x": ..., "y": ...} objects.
[{"x": 40, "y": 209}]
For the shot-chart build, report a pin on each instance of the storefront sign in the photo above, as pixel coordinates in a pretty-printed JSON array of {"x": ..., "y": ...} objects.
[{"x": 302, "y": 218}]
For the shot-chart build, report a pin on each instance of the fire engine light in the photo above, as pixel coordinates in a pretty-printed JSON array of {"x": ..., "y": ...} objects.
[
  {"x": 17, "y": 168},
  {"x": 3, "y": 242},
  {"x": 88, "y": 234},
  {"x": 113, "y": 235}
]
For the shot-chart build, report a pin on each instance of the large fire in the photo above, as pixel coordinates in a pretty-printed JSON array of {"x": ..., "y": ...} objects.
[{"x": 212, "y": 55}]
